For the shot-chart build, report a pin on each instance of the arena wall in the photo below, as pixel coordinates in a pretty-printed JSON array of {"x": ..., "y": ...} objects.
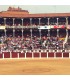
[{"x": 34, "y": 55}]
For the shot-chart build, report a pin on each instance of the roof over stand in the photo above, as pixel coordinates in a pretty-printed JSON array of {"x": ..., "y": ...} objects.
[{"x": 19, "y": 13}]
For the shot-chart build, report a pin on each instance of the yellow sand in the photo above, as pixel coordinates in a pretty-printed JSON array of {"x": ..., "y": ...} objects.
[{"x": 35, "y": 66}]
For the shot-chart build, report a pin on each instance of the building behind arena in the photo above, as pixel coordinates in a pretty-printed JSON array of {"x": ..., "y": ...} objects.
[{"x": 34, "y": 35}]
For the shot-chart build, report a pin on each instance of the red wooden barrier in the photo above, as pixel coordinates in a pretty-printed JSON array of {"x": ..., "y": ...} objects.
[
  {"x": 28, "y": 54},
  {"x": 65, "y": 54},
  {"x": 51, "y": 54},
  {"x": 21, "y": 55},
  {"x": 36, "y": 54},
  {"x": 6, "y": 54},
  {"x": 59, "y": 54},
  {"x": 14, "y": 55},
  {"x": 1, "y": 55},
  {"x": 43, "y": 54}
]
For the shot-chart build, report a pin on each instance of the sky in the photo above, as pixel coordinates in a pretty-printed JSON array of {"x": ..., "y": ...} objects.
[{"x": 40, "y": 8}]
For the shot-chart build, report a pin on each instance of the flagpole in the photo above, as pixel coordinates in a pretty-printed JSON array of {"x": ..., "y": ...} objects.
[
  {"x": 57, "y": 28},
  {"x": 66, "y": 38}
]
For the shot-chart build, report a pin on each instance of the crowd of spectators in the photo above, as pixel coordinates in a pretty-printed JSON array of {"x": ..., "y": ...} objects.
[{"x": 18, "y": 43}]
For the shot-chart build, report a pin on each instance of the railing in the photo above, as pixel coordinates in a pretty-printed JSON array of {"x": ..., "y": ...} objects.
[
  {"x": 36, "y": 54},
  {"x": 22, "y": 27},
  {"x": 31, "y": 26},
  {"x": 39, "y": 50}
]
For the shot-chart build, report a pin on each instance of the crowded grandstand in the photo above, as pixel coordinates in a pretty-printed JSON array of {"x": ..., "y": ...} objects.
[{"x": 21, "y": 31}]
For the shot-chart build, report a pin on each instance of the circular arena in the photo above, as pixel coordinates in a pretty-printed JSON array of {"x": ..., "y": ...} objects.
[{"x": 41, "y": 41}]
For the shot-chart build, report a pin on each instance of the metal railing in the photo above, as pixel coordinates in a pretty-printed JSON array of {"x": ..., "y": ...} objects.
[
  {"x": 22, "y": 27},
  {"x": 29, "y": 26}
]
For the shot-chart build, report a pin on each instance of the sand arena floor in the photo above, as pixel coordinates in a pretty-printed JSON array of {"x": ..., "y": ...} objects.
[{"x": 34, "y": 66}]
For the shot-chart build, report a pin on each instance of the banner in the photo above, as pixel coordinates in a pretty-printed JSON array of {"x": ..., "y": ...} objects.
[
  {"x": 59, "y": 26},
  {"x": 55, "y": 26},
  {"x": 2, "y": 27},
  {"x": 52, "y": 27},
  {"x": 44, "y": 27}
]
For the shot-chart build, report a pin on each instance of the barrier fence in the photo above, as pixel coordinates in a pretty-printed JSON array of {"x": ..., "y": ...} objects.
[{"x": 42, "y": 54}]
